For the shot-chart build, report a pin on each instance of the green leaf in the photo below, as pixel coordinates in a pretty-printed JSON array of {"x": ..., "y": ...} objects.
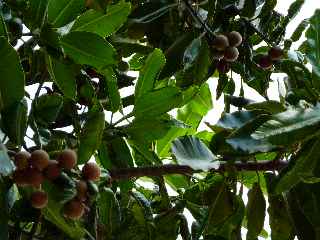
[
  {"x": 113, "y": 91},
  {"x": 103, "y": 24},
  {"x": 295, "y": 36},
  {"x": 11, "y": 75},
  {"x": 3, "y": 28},
  {"x": 64, "y": 75},
  {"x": 295, "y": 8},
  {"x": 36, "y": 13},
  {"x": 249, "y": 8},
  {"x": 61, "y": 12},
  {"x": 149, "y": 73},
  {"x": 189, "y": 150},
  {"x": 6, "y": 165},
  {"x": 256, "y": 208},
  {"x": 14, "y": 120},
  {"x": 88, "y": 48},
  {"x": 157, "y": 102},
  {"x": 293, "y": 125},
  {"x": 90, "y": 136},
  {"x": 270, "y": 106},
  {"x": 235, "y": 120}
]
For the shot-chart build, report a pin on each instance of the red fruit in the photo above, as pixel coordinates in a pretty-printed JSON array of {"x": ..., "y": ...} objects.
[
  {"x": 265, "y": 62},
  {"x": 21, "y": 160},
  {"x": 39, "y": 199},
  {"x": 34, "y": 177},
  {"x": 275, "y": 53},
  {"x": 19, "y": 178},
  {"x": 39, "y": 159},
  {"x": 231, "y": 54},
  {"x": 223, "y": 66},
  {"x": 82, "y": 189},
  {"x": 73, "y": 209},
  {"x": 235, "y": 38},
  {"x": 67, "y": 159},
  {"x": 91, "y": 171},
  {"x": 53, "y": 170},
  {"x": 220, "y": 42}
]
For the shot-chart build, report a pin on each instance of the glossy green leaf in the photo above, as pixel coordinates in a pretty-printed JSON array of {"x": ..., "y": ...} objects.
[
  {"x": 189, "y": 150},
  {"x": 256, "y": 208},
  {"x": 157, "y": 102},
  {"x": 64, "y": 75},
  {"x": 235, "y": 120},
  {"x": 88, "y": 48},
  {"x": 61, "y": 12},
  {"x": 103, "y": 24},
  {"x": 11, "y": 75},
  {"x": 149, "y": 73},
  {"x": 90, "y": 136}
]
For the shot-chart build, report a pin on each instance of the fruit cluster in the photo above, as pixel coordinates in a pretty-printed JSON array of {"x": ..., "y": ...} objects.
[
  {"x": 33, "y": 169},
  {"x": 274, "y": 54},
  {"x": 224, "y": 49}
]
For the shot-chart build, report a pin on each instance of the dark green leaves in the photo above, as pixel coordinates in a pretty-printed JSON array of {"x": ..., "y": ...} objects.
[
  {"x": 103, "y": 24},
  {"x": 295, "y": 8},
  {"x": 11, "y": 75},
  {"x": 88, "y": 48},
  {"x": 6, "y": 166},
  {"x": 36, "y": 13},
  {"x": 91, "y": 135}
]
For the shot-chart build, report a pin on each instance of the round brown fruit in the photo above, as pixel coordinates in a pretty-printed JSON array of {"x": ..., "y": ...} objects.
[
  {"x": 231, "y": 54},
  {"x": 21, "y": 160},
  {"x": 82, "y": 189},
  {"x": 275, "y": 53},
  {"x": 67, "y": 159},
  {"x": 39, "y": 159},
  {"x": 91, "y": 171},
  {"x": 34, "y": 177},
  {"x": 235, "y": 38},
  {"x": 265, "y": 62},
  {"x": 39, "y": 199},
  {"x": 19, "y": 178},
  {"x": 53, "y": 170},
  {"x": 217, "y": 55},
  {"x": 220, "y": 42},
  {"x": 73, "y": 209},
  {"x": 223, "y": 66}
]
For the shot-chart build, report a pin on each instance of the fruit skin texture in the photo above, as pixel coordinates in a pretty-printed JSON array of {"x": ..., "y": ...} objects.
[
  {"x": 19, "y": 178},
  {"x": 82, "y": 189},
  {"x": 67, "y": 159},
  {"x": 21, "y": 160},
  {"x": 91, "y": 171},
  {"x": 53, "y": 170},
  {"x": 73, "y": 209},
  {"x": 220, "y": 42},
  {"x": 265, "y": 62},
  {"x": 39, "y": 159},
  {"x": 223, "y": 66},
  {"x": 235, "y": 39},
  {"x": 231, "y": 54},
  {"x": 275, "y": 53},
  {"x": 34, "y": 177},
  {"x": 39, "y": 199}
]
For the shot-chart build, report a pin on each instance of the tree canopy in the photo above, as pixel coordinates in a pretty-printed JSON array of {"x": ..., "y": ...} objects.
[{"x": 71, "y": 168}]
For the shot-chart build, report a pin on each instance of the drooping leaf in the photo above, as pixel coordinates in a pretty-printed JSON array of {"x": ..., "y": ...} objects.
[
  {"x": 103, "y": 24},
  {"x": 295, "y": 8},
  {"x": 235, "y": 120},
  {"x": 299, "y": 30},
  {"x": 88, "y": 48},
  {"x": 91, "y": 135},
  {"x": 189, "y": 150}
]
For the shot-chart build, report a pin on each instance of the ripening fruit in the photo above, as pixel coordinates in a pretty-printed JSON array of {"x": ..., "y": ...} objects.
[
  {"x": 39, "y": 159},
  {"x": 34, "y": 177},
  {"x": 21, "y": 160},
  {"x": 67, "y": 159},
  {"x": 91, "y": 171},
  {"x": 217, "y": 55},
  {"x": 19, "y": 178},
  {"x": 275, "y": 53},
  {"x": 265, "y": 62},
  {"x": 220, "y": 42},
  {"x": 231, "y": 54},
  {"x": 235, "y": 38},
  {"x": 223, "y": 66},
  {"x": 73, "y": 209},
  {"x": 39, "y": 199},
  {"x": 82, "y": 189},
  {"x": 53, "y": 170}
]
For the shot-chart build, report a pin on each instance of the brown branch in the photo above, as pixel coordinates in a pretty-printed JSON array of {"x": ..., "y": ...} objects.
[{"x": 154, "y": 171}]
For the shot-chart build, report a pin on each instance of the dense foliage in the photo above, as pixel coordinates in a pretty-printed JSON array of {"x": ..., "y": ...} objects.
[{"x": 77, "y": 55}]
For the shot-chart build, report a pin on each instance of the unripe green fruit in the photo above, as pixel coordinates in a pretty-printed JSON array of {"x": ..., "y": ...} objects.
[
  {"x": 235, "y": 39},
  {"x": 67, "y": 159},
  {"x": 231, "y": 54},
  {"x": 73, "y": 209},
  {"x": 34, "y": 177},
  {"x": 220, "y": 42},
  {"x": 82, "y": 189},
  {"x": 223, "y": 66},
  {"x": 91, "y": 171},
  {"x": 39, "y": 199},
  {"x": 265, "y": 62},
  {"x": 53, "y": 170},
  {"x": 39, "y": 159},
  {"x": 275, "y": 53},
  {"x": 21, "y": 160}
]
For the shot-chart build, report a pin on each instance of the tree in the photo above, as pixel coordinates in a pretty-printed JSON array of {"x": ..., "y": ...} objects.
[{"x": 78, "y": 54}]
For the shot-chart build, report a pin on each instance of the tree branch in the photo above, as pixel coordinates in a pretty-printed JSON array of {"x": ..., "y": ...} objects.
[{"x": 153, "y": 171}]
